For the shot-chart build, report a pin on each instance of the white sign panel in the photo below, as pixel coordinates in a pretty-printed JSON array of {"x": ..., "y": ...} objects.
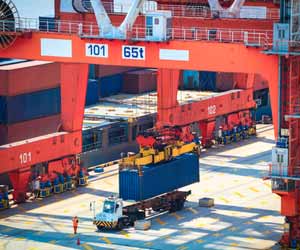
[
  {"x": 174, "y": 55},
  {"x": 56, "y": 47},
  {"x": 96, "y": 50},
  {"x": 133, "y": 52}
]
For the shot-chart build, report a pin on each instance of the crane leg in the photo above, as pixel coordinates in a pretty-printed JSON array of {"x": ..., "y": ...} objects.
[
  {"x": 167, "y": 88},
  {"x": 20, "y": 180}
]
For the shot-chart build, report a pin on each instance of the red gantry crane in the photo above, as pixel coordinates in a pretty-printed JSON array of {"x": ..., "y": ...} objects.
[{"x": 170, "y": 36}]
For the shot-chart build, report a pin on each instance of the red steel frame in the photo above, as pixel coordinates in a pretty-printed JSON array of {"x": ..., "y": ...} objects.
[{"x": 203, "y": 55}]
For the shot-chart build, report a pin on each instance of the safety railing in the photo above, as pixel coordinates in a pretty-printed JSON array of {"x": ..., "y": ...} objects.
[
  {"x": 257, "y": 38},
  {"x": 183, "y": 10}
]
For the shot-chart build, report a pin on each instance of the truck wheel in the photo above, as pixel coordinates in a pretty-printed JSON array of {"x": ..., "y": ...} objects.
[
  {"x": 173, "y": 207},
  {"x": 120, "y": 224},
  {"x": 180, "y": 204}
]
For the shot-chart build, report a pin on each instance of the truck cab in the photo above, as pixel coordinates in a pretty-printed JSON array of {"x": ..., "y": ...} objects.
[{"x": 110, "y": 215}]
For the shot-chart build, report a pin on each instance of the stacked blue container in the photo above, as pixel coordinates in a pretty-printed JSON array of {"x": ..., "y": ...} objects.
[
  {"x": 110, "y": 85},
  {"x": 92, "y": 92},
  {"x": 29, "y": 106}
]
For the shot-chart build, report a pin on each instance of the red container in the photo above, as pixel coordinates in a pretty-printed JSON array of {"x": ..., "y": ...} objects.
[
  {"x": 104, "y": 70},
  {"x": 141, "y": 81},
  {"x": 224, "y": 81},
  {"x": 27, "y": 77},
  {"x": 29, "y": 129}
]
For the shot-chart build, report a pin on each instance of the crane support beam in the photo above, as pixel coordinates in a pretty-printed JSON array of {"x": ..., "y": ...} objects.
[
  {"x": 191, "y": 55},
  {"x": 172, "y": 114},
  {"x": 232, "y": 11}
]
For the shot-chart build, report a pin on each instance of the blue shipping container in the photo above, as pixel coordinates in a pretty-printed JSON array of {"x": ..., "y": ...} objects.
[
  {"x": 199, "y": 80},
  {"x": 92, "y": 73},
  {"x": 207, "y": 81},
  {"x": 157, "y": 179},
  {"x": 92, "y": 92},
  {"x": 190, "y": 79},
  {"x": 29, "y": 106},
  {"x": 110, "y": 85}
]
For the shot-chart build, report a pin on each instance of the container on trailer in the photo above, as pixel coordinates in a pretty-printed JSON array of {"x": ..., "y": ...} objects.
[
  {"x": 28, "y": 77},
  {"x": 141, "y": 81},
  {"x": 29, "y": 129},
  {"x": 110, "y": 85},
  {"x": 14, "y": 109},
  {"x": 156, "y": 179},
  {"x": 92, "y": 92}
]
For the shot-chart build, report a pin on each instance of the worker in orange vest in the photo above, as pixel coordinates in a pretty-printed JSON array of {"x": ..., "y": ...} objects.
[{"x": 75, "y": 224}]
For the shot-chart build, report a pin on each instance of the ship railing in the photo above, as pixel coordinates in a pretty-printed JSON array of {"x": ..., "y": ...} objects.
[{"x": 251, "y": 37}]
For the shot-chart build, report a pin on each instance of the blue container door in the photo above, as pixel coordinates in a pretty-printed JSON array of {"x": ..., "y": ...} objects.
[
  {"x": 92, "y": 92},
  {"x": 190, "y": 79},
  {"x": 32, "y": 106},
  {"x": 110, "y": 85}
]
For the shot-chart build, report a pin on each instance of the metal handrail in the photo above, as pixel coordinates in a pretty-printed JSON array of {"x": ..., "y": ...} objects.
[
  {"x": 180, "y": 10},
  {"x": 255, "y": 37}
]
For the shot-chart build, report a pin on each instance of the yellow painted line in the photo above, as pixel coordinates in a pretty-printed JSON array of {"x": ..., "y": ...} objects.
[
  {"x": 250, "y": 238},
  {"x": 263, "y": 202},
  {"x": 216, "y": 219},
  {"x": 200, "y": 241},
  {"x": 224, "y": 199},
  {"x": 28, "y": 222},
  {"x": 236, "y": 180},
  {"x": 40, "y": 233},
  {"x": 149, "y": 244},
  {"x": 184, "y": 231},
  {"x": 254, "y": 189},
  {"x": 217, "y": 235},
  {"x": 266, "y": 217},
  {"x": 233, "y": 244},
  {"x": 267, "y": 184},
  {"x": 106, "y": 240},
  {"x": 52, "y": 241},
  {"x": 201, "y": 225},
  {"x": 206, "y": 190},
  {"x": 177, "y": 216},
  {"x": 182, "y": 248},
  {"x": 125, "y": 234},
  {"x": 30, "y": 248},
  {"x": 87, "y": 247},
  {"x": 232, "y": 229},
  {"x": 159, "y": 221},
  {"x": 194, "y": 211},
  {"x": 239, "y": 194},
  {"x": 82, "y": 205},
  {"x": 20, "y": 238},
  {"x": 66, "y": 211}
]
